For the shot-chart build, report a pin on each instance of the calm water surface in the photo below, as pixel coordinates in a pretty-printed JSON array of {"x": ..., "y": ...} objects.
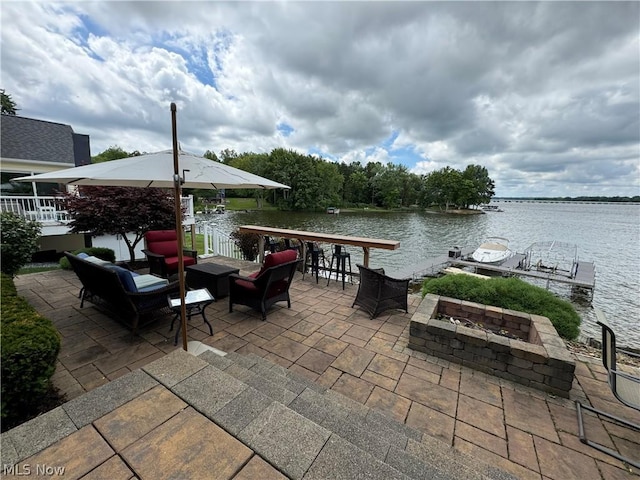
[{"x": 606, "y": 234}]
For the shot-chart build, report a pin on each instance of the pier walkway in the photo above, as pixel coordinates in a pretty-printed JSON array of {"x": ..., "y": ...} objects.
[{"x": 426, "y": 268}]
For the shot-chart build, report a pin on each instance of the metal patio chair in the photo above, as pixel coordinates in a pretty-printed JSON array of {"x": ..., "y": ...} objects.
[{"x": 625, "y": 387}]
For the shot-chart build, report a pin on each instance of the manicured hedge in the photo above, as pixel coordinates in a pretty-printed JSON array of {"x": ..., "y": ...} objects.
[
  {"x": 30, "y": 345},
  {"x": 101, "y": 252},
  {"x": 511, "y": 293}
]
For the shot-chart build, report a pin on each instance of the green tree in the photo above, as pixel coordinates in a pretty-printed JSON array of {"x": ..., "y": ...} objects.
[
  {"x": 9, "y": 107},
  {"x": 227, "y": 155},
  {"x": 253, "y": 163},
  {"x": 297, "y": 171},
  {"x": 372, "y": 171},
  {"x": 411, "y": 186},
  {"x": 441, "y": 188},
  {"x": 388, "y": 184},
  {"x": 121, "y": 211},
  {"x": 483, "y": 186},
  {"x": 210, "y": 155},
  {"x": 112, "y": 153},
  {"x": 448, "y": 187},
  {"x": 330, "y": 184},
  {"x": 358, "y": 187},
  {"x": 18, "y": 242}
]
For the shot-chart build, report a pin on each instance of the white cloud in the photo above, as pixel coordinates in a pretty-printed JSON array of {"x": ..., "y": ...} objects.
[{"x": 545, "y": 95}]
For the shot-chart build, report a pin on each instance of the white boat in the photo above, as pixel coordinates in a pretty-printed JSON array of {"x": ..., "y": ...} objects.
[{"x": 494, "y": 250}]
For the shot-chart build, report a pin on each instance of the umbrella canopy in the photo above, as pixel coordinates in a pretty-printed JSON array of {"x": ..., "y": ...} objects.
[
  {"x": 157, "y": 170},
  {"x": 167, "y": 169}
]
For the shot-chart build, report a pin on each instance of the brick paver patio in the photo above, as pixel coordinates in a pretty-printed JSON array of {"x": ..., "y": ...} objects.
[{"x": 523, "y": 431}]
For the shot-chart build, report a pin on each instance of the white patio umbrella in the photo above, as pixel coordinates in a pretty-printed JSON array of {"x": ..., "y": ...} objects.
[
  {"x": 157, "y": 170},
  {"x": 166, "y": 169}
]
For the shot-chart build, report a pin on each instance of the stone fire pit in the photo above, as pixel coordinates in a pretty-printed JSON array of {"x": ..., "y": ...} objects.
[{"x": 538, "y": 358}]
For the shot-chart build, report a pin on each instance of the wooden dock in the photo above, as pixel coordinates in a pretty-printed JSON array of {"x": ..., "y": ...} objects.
[
  {"x": 427, "y": 268},
  {"x": 584, "y": 276}
]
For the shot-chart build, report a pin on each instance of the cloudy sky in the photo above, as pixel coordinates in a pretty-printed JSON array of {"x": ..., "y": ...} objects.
[{"x": 545, "y": 95}]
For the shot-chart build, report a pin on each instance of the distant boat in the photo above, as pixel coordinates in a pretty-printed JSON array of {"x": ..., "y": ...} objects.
[
  {"x": 219, "y": 209},
  {"x": 491, "y": 208},
  {"x": 333, "y": 210},
  {"x": 494, "y": 250}
]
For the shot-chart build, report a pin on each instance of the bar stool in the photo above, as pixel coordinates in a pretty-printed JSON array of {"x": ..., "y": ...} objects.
[
  {"x": 341, "y": 256},
  {"x": 271, "y": 244},
  {"x": 314, "y": 253},
  {"x": 293, "y": 245}
]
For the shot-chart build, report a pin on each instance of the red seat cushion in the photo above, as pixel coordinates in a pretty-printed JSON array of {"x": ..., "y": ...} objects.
[
  {"x": 249, "y": 286},
  {"x": 172, "y": 262}
]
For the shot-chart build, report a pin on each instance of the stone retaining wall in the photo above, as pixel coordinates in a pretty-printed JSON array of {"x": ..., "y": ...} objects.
[{"x": 539, "y": 358}]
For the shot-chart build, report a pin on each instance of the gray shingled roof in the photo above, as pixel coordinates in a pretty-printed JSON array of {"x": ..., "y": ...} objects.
[{"x": 31, "y": 139}]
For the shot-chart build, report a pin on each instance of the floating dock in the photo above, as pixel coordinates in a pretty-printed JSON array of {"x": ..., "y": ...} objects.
[
  {"x": 583, "y": 277},
  {"x": 428, "y": 268}
]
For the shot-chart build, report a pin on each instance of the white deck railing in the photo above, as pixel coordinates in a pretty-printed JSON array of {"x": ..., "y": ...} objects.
[
  {"x": 49, "y": 211},
  {"x": 45, "y": 210},
  {"x": 217, "y": 242}
]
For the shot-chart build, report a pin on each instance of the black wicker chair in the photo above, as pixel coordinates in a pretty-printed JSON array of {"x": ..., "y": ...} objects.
[{"x": 378, "y": 292}]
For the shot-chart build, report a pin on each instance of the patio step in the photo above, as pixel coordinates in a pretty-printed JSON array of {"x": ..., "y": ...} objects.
[{"x": 360, "y": 442}]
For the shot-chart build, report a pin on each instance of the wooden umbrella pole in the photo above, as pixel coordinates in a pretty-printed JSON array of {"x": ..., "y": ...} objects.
[{"x": 177, "y": 187}]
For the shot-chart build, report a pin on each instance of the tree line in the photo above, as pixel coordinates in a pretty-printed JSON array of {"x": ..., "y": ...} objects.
[{"x": 317, "y": 183}]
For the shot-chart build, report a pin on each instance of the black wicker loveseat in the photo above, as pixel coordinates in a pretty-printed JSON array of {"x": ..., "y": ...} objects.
[
  {"x": 113, "y": 286},
  {"x": 378, "y": 292}
]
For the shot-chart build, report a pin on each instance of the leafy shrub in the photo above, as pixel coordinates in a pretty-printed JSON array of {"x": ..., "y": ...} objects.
[
  {"x": 247, "y": 243},
  {"x": 7, "y": 287},
  {"x": 510, "y": 293},
  {"x": 29, "y": 347},
  {"x": 19, "y": 242},
  {"x": 100, "y": 252}
]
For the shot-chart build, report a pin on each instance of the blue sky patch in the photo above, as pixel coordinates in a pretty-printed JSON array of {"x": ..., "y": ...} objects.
[
  {"x": 284, "y": 129},
  {"x": 81, "y": 35},
  {"x": 406, "y": 156}
]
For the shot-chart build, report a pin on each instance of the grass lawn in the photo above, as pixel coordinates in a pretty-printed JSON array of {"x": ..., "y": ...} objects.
[
  {"x": 28, "y": 269},
  {"x": 199, "y": 243},
  {"x": 246, "y": 204}
]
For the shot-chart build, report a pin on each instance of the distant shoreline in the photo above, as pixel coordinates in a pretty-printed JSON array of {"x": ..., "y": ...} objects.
[{"x": 626, "y": 200}]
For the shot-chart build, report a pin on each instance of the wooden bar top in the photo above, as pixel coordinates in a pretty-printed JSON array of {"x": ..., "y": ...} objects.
[{"x": 363, "y": 242}]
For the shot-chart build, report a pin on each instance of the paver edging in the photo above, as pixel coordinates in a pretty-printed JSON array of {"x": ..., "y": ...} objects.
[{"x": 539, "y": 358}]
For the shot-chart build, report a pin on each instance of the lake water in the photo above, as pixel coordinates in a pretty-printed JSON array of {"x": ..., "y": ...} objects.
[{"x": 606, "y": 234}]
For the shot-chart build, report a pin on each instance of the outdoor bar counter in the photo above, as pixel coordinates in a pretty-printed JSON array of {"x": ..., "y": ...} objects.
[{"x": 302, "y": 237}]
